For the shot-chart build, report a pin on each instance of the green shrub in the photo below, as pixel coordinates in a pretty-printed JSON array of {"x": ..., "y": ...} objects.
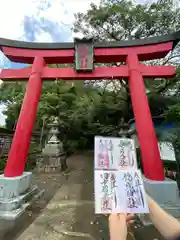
[
  {"x": 33, "y": 154},
  {"x": 3, "y": 162}
]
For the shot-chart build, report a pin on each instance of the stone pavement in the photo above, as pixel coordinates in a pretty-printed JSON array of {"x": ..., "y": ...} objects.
[
  {"x": 70, "y": 214},
  {"x": 66, "y": 210},
  {"x": 58, "y": 218}
]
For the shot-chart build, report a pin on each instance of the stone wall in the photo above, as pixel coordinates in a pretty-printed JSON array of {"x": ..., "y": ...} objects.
[
  {"x": 5, "y": 144},
  {"x": 6, "y": 140}
]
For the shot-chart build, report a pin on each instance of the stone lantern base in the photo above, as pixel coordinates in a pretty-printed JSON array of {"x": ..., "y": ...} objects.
[{"x": 51, "y": 163}]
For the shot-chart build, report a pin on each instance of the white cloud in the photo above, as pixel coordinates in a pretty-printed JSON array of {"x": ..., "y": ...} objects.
[
  {"x": 57, "y": 12},
  {"x": 12, "y": 14}
]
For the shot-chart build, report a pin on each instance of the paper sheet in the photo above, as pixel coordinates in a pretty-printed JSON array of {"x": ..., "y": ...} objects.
[
  {"x": 118, "y": 182},
  {"x": 114, "y": 153},
  {"x": 119, "y": 191}
]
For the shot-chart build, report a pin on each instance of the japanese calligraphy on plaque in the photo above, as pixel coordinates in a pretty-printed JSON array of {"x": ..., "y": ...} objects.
[{"x": 84, "y": 55}]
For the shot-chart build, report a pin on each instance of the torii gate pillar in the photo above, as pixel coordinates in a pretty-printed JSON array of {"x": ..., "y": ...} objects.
[{"x": 144, "y": 125}]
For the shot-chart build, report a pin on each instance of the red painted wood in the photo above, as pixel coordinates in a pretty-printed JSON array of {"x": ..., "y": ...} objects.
[
  {"x": 21, "y": 140},
  {"x": 132, "y": 55},
  {"x": 101, "y": 55},
  {"x": 152, "y": 164},
  {"x": 14, "y": 74},
  {"x": 98, "y": 73},
  {"x": 157, "y": 71},
  {"x": 148, "y": 52}
]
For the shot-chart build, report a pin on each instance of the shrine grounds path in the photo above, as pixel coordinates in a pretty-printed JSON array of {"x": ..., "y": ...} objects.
[{"x": 66, "y": 210}]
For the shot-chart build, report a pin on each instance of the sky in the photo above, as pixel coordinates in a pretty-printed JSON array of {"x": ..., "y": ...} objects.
[
  {"x": 37, "y": 21},
  {"x": 40, "y": 21}
]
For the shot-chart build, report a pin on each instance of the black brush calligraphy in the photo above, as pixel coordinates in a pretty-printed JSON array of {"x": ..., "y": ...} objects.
[
  {"x": 122, "y": 162},
  {"x": 110, "y": 148},
  {"x": 113, "y": 188},
  {"x": 133, "y": 189},
  {"x": 126, "y": 153},
  {"x": 106, "y": 200}
]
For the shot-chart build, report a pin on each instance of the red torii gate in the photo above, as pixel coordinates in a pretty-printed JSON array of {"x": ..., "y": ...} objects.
[{"x": 85, "y": 53}]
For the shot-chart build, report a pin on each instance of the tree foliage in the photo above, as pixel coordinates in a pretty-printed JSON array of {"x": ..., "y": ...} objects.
[
  {"x": 83, "y": 111},
  {"x": 93, "y": 108},
  {"x": 125, "y": 20}
]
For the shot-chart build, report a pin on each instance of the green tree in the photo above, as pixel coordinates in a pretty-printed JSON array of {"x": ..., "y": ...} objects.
[
  {"x": 83, "y": 111},
  {"x": 124, "y": 20},
  {"x": 100, "y": 107},
  {"x": 11, "y": 95}
]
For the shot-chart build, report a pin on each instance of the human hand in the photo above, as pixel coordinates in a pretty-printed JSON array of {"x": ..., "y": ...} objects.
[
  {"x": 150, "y": 202},
  {"x": 167, "y": 225},
  {"x": 118, "y": 225}
]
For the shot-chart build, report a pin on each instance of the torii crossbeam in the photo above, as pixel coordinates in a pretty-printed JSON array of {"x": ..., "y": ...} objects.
[{"x": 84, "y": 53}]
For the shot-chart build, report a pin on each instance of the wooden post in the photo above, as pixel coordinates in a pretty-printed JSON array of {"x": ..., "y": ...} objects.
[
  {"x": 152, "y": 164},
  {"x": 21, "y": 140}
]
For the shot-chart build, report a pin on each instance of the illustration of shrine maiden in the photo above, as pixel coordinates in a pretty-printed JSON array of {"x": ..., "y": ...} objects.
[{"x": 103, "y": 156}]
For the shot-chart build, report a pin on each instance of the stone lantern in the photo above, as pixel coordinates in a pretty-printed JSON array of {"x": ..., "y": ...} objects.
[{"x": 53, "y": 155}]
